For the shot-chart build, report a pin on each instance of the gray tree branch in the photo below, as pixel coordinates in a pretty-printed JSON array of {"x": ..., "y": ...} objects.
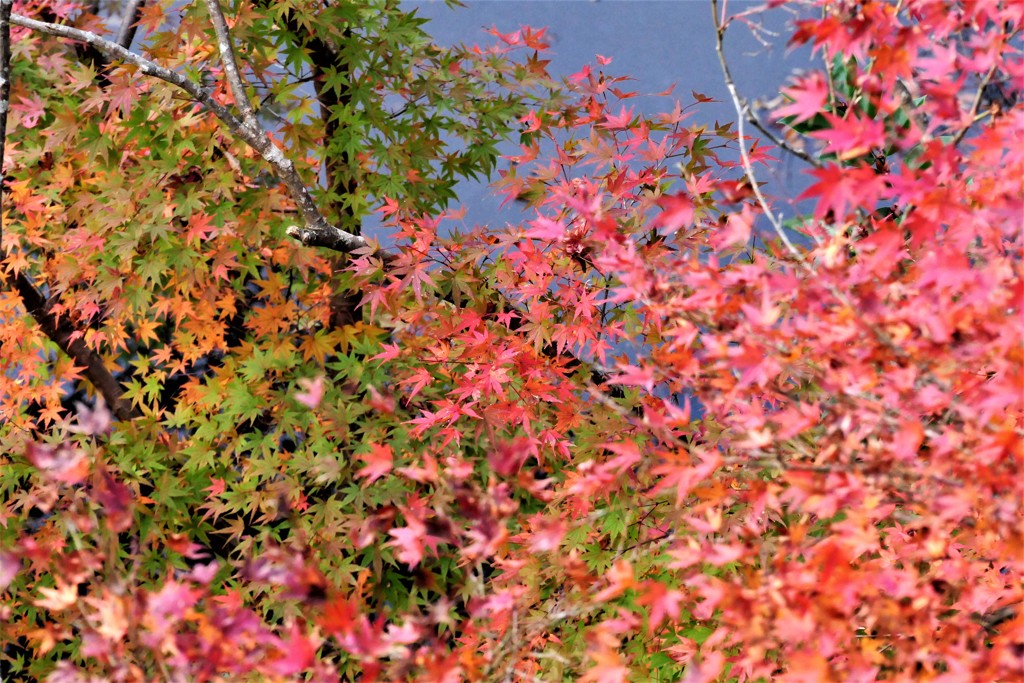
[
  {"x": 129, "y": 19},
  {"x": 741, "y": 109},
  {"x": 227, "y": 57},
  {"x": 61, "y": 332}
]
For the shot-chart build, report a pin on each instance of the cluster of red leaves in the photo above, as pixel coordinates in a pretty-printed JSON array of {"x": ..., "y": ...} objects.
[{"x": 856, "y": 465}]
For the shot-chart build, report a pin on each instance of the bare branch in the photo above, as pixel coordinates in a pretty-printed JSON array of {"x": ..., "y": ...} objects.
[
  {"x": 328, "y": 237},
  {"x": 317, "y": 228},
  {"x": 776, "y": 140},
  {"x": 748, "y": 167},
  {"x": 974, "y": 105},
  {"x": 129, "y": 20},
  {"x": 227, "y": 58}
]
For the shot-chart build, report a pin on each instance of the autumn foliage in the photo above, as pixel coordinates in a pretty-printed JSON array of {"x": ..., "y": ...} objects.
[{"x": 669, "y": 426}]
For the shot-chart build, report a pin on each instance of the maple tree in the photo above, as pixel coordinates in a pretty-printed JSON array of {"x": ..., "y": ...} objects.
[{"x": 654, "y": 431}]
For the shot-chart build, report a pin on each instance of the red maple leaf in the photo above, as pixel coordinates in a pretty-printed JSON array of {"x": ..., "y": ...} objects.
[
  {"x": 808, "y": 96},
  {"x": 839, "y": 188},
  {"x": 378, "y": 461},
  {"x": 677, "y": 210}
]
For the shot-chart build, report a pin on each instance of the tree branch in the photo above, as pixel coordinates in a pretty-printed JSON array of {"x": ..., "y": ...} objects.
[
  {"x": 129, "y": 20},
  {"x": 748, "y": 167},
  {"x": 227, "y": 58},
  {"x": 973, "y": 111},
  {"x": 775, "y": 139},
  {"x": 60, "y": 332}
]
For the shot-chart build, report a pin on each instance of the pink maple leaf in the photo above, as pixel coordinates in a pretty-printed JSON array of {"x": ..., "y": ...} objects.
[
  {"x": 298, "y": 652},
  {"x": 852, "y": 136},
  {"x": 677, "y": 211},
  {"x": 378, "y": 461},
  {"x": 808, "y": 96},
  {"x": 312, "y": 391},
  {"x": 61, "y": 463},
  {"x": 10, "y": 565},
  {"x": 620, "y": 120}
]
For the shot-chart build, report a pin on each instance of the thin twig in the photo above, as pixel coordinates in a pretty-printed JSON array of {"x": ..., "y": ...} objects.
[
  {"x": 317, "y": 230},
  {"x": 776, "y": 140},
  {"x": 748, "y": 167},
  {"x": 910, "y": 111},
  {"x": 227, "y": 58},
  {"x": 974, "y": 105}
]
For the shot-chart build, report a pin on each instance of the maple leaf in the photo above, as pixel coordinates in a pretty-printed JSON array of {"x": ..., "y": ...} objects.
[
  {"x": 10, "y": 565},
  {"x": 390, "y": 352},
  {"x": 546, "y": 229},
  {"x": 634, "y": 376},
  {"x": 123, "y": 92},
  {"x": 851, "y": 137},
  {"x": 677, "y": 210},
  {"x": 115, "y": 498},
  {"x": 58, "y": 598},
  {"x": 618, "y": 121},
  {"x": 216, "y": 488},
  {"x": 378, "y": 462},
  {"x": 508, "y": 458},
  {"x": 706, "y": 670},
  {"x": 409, "y": 541},
  {"x": 312, "y": 391},
  {"x": 608, "y": 667},
  {"x": 420, "y": 378},
  {"x": 92, "y": 421},
  {"x": 200, "y": 227},
  {"x": 547, "y": 534},
  {"x": 31, "y": 109},
  {"x": 736, "y": 230},
  {"x": 380, "y": 402},
  {"x": 204, "y": 574},
  {"x": 662, "y": 603},
  {"x": 298, "y": 652},
  {"x": 620, "y": 579},
  {"x": 167, "y": 606},
  {"x": 839, "y": 188},
  {"x": 413, "y": 539},
  {"x": 110, "y": 615},
  {"x": 62, "y": 463},
  {"x": 809, "y": 95}
]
